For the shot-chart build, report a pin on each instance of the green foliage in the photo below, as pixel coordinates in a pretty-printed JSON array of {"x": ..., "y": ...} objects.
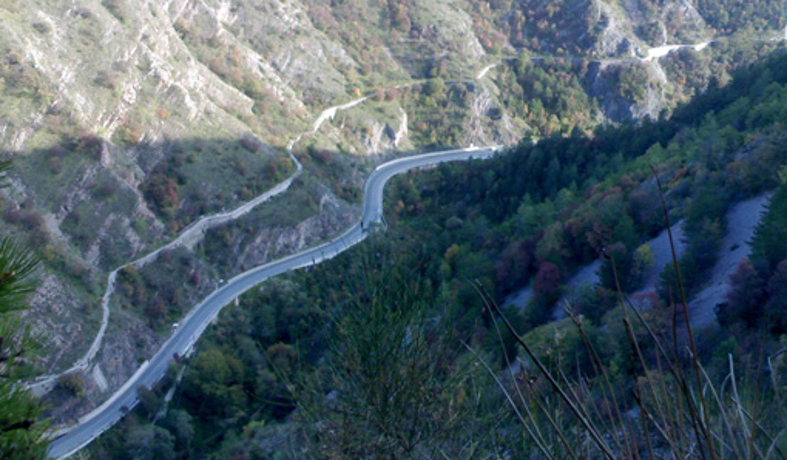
[
  {"x": 160, "y": 292},
  {"x": 758, "y": 297},
  {"x": 435, "y": 87},
  {"x": 705, "y": 227},
  {"x": 746, "y": 299},
  {"x": 770, "y": 236},
  {"x": 565, "y": 199},
  {"x": 22, "y": 431},
  {"x": 617, "y": 271},
  {"x": 397, "y": 387},
  {"x": 631, "y": 83},
  {"x": 41, "y": 27},
  {"x": 643, "y": 261},
  {"x": 150, "y": 442},
  {"x": 162, "y": 192},
  {"x": 16, "y": 267},
  {"x": 729, "y": 15},
  {"x": 181, "y": 425},
  {"x": 199, "y": 177},
  {"x": 776, "y": 307},
  {"x": 117, "y": 8},
  {"x": 558, "y": 27},
  {"x": 214, "y": 386},
  {"x": 370, "y": 347},
  {"x": 72, "y": 383},
  {"x": 548, "y": 95}
]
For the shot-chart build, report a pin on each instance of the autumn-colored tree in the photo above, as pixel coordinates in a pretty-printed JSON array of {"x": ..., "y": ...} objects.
[
  {"x": 746, "y": 298},
  {"x": 547, "y": 284}
]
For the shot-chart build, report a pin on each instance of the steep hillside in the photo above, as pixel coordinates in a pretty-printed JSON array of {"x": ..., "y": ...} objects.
[
  {"x": 393, "y": 349},
  {"x": 131, "y": 121}
]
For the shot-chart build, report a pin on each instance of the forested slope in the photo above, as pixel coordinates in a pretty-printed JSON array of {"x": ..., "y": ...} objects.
[{"x": 392, "y": 349}]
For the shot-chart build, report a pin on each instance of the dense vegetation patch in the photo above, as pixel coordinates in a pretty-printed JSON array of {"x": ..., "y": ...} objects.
[{"x": 466, "y": 235}]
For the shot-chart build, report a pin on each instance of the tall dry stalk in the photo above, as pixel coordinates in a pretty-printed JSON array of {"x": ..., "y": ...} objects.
[{"x": 677, "y": 410}]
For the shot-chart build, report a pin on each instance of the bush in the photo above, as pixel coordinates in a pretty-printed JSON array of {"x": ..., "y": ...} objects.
[
  {"x": 87, "y": 144},
  {"x": 72, "y": 384},
  {"x": 105, "y": 80},
  {"x": 745, "y": 299},
  {"x": 547, "y": 282},
  {"x": 32, "y": 220},
  {"x": 106, "y": 188},
  {"x": 54, "y": 165},
  {"x": 128, "y": 134},
  {"x": 182, "y": 27},
  {"x": 623, "y": 261},
  {"x": 251, "y": 143},
  {"x": 162, "y": 191},
  {"x": 434, "y": 87},
  {"x": 42, "y": 27},
  {"x": 116, "y": 8}
]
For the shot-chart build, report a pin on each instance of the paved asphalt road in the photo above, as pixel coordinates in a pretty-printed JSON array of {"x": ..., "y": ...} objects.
[{"x": 192, "y": 327}]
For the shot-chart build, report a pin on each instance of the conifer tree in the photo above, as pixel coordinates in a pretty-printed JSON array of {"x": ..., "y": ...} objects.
[{"x": 22, "y": 431}]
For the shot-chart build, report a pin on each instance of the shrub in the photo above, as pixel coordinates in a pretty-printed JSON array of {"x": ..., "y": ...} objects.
[
  {"x": 116, "y": 8},
  {"x": 623, "y": 261},
  {"x": 54, "y": 165},
  {"x": 57, "y": 150},
  {"x": 32, "y": 220},
  {"x": 745, "y": 299},
  {"x": 87, "y": 144},
  {"x": 182, "y": 27},
  {"x": 42, "y": 27},
  {"x": 547, "y": 284},
  {"x": 218, "y": 66},
  {"x": 434, "y": 87},
  {"x": 105, "y": 80},
  {"x": 106, "y": 188},
  {"x": 72, "y": 384},
  {"x": 251, "y": 143},
  {"x": 128, "y": 134},
  {"x": 162, "y": 191}
]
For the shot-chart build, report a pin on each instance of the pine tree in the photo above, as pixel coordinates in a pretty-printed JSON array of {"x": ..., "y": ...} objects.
[{"x": 22, "y": 431}]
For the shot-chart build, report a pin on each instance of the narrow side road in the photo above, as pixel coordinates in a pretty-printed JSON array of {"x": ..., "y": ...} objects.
[{"x": 44, "y": 384}]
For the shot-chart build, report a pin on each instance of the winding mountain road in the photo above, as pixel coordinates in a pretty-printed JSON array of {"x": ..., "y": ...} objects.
[
  {"x": 43, "y": 384},
  {"x": 192, "y": 327}
]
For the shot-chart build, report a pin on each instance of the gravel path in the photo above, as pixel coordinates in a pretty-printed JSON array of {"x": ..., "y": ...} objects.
[
  {"x": 742, "y": 219},
  {"x": 519, "y": 298},
  {"x": 588, "y": 275}
]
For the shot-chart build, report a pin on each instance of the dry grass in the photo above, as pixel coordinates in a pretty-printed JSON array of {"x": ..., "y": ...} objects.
[{"x": 674, "y": 410}]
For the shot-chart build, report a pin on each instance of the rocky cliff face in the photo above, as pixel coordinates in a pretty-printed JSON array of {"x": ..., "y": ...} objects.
[{"x": 128, "y": 120}]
